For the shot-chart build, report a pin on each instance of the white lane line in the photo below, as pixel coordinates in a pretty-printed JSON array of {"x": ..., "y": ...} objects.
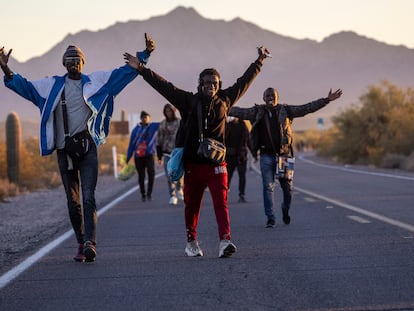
[
  {"x": 347, "y": 169},
  {"x": 16, "y": 271},
  {"x": 27, "y": 263},
  {"x": 358, "y": 210},
  {"x": 379, "y": 217},
  {"x": 309, "y": 199},
  {"x": 359, "y": 219}
]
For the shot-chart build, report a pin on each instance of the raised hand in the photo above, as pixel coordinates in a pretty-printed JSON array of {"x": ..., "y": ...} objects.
[
  {"x": 263, "y": 52},
  {"x": 149, "y": 43},
  {"x": 334, "y": 95},
  {"x": 133, "y": 61},
  {"x": 4, "y": 58}
]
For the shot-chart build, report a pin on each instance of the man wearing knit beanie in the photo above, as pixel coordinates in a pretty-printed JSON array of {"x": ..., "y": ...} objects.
[
  {"x": 76, "y": 104},
  {"x": 73, "y": 51}
]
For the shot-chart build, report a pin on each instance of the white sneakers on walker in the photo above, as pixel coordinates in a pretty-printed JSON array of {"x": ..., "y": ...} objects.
[
  {"x": 192, "y": 249},
  {"x": 180, "y": 194},
  {"x": 173, "y": 200},
  {"x": 226, "y": 248}
]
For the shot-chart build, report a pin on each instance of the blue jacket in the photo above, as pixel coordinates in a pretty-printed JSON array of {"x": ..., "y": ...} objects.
[
  {"x": 99, "y": 90},
  {"x": 141, "y": 133}
]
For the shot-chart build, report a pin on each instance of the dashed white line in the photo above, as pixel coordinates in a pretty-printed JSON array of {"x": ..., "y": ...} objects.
[
  {"x": 358, "y": 210},
  {"x": 348, "y": 169},
  {"x": 359, "y": 219}
]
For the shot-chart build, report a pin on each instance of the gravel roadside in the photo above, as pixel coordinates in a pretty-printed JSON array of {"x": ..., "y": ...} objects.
[{"x": 29, "y": 221}]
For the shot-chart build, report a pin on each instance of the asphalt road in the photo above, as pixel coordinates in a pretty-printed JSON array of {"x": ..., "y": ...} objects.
[{"x": 350, "y": 246}]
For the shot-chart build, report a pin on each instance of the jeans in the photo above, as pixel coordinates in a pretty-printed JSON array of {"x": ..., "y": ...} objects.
[
  {"x": 268, "y": 169},
  {"x": 83, "y": 176},
  {"x": 173, "y": 186}
]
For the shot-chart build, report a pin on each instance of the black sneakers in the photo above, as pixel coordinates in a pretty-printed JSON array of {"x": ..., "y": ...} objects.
[
  {"x": 242, "y": 199},
  {"x": 270, "y": 223},
  {"x": 286, "y": 217},
  {"x": 89, "y": 250}
]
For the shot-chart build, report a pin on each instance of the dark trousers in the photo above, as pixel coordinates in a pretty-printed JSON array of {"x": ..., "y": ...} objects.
[
  {"x": 83, "y": 177},
  {"x": 145, "y": 164},
  {"x": 233, "y": 163}
]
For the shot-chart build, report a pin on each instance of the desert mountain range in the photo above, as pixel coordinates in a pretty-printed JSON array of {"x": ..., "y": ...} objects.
[{"x": 302, "y": 70}]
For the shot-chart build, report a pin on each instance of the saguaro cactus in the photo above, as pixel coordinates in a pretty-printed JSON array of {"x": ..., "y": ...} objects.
[{"x": 13, "y": 143}]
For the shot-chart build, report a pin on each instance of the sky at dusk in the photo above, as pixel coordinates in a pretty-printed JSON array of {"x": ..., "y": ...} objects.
[{"x": 31, "y": 28}]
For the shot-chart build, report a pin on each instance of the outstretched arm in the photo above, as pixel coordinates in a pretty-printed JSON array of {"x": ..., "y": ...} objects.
[
  {"x": 239, "y": 88},
  {"x": 302, "y": 110},
  {"x": 4, "y": 59}
]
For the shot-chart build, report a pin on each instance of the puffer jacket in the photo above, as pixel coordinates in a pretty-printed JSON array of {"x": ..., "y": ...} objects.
[{"x": 285, "y": 113}]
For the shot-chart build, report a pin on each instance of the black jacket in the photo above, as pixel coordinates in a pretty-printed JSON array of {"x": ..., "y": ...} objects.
[
  {"x": 216, "y": 108},
  {"x": 285, "y": 113}
]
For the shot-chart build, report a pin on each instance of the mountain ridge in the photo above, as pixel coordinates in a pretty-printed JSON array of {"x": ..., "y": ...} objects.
[{"x": 301, "y": 69}]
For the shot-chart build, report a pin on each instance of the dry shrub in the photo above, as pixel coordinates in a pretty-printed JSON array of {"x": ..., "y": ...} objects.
[
  {"x": 393, "y": 161},
  {"x": 7, "y": 189}
]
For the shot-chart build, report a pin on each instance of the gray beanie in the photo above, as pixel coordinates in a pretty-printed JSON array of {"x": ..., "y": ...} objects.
[{"x": 73, "y": 51}]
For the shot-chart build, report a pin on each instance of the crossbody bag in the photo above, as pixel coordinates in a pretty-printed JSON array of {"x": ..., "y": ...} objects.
[
  {"x": 209, "y": 148},
  {"x": 78, "y": 145}
]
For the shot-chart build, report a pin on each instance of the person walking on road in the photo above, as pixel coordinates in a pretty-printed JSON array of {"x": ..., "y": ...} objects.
[
  {"x": 76, "y": 104},
  {"x": 271, "y": 136},
  {"x": 142, "y": 145},
  {"x": 237, "y": 140},
  {"x": 167, "y": 133},
  {"x": 210, "y": 105}
]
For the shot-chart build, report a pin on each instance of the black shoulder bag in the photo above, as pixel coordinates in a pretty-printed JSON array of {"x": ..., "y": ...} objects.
[
  {"x": 209, "y": 148},
  {"x": 78, "y": 145}
]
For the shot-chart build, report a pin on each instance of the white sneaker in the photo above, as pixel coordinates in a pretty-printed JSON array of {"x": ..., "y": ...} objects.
[
  {"x": 173, "y": 200},
  {"x": 226, "y": 248},
  {"x": 180, "y": 195},
  {"x": 192, "y": 249}
]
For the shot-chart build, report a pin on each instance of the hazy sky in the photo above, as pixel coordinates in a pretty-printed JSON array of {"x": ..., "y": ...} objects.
[{"x": 32, "y": 27}]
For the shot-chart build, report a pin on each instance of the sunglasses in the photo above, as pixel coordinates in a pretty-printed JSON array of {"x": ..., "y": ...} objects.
[{"x": 71, "y": 60}]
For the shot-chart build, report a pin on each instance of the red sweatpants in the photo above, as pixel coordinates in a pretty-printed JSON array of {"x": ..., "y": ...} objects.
[{"x": 196, "y": 178}]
